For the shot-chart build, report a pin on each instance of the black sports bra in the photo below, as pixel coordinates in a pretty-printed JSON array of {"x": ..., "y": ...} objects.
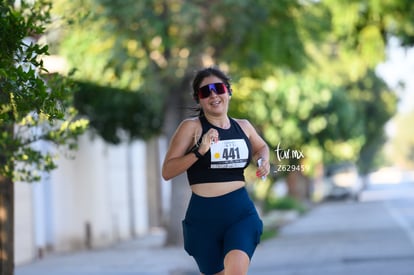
[{"x": 226, "y": 159}]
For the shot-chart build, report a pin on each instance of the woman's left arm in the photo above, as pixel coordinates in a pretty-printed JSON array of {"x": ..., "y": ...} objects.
[{"x": 259, "y": 147}]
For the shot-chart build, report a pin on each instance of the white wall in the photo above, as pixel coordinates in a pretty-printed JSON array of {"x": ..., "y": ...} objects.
[
  {"x": 23, "y": 223},
  {"x": 101, "y": 188},
  {"x": 94, "y": 189},
  {"x": 165, "y": 185},
  {"x": 139, "y": 187},
  {"x": 80, "y": 196}
]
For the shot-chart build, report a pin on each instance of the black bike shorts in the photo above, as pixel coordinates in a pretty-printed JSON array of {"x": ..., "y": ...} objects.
[{"x": 213, "y": 226}]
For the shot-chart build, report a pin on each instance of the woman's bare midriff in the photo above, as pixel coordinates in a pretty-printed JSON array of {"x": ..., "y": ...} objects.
[{"x": 214, "y": 189}]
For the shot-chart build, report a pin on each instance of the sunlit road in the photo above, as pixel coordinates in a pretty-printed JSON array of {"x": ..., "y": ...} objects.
[{"x": 373, "y": 236}]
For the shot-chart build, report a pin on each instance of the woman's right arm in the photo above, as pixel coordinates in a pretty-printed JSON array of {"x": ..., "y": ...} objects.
[{"x": 176, "y": 160}]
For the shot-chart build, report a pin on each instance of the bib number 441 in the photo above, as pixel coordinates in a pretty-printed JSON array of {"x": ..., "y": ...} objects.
[{"x": 231, "y": 153}]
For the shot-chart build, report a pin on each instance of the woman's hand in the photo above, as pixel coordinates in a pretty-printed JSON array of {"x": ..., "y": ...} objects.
[
  {"x": 210, "y": 137},
  {"x": 263, "y": 168}
]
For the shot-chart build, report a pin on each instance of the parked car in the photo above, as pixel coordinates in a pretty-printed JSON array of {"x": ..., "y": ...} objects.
[{"x": 342, "y": 181}]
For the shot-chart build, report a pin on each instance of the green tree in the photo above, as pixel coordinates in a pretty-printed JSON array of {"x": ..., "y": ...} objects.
[
  {"x": 34, "y": 106},
  {"x": 361, "y": 30},
  {"x": 336, "y": 108},
  {"x": 153, "y": 47},
  {"x": 117, "y": 114},
  {"x": 302, "y": 69}
]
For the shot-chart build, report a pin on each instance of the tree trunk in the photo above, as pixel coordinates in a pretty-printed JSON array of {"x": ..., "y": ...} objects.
[
  {"x": 155, "y": 214},
  {"x": 298, "y": 186},
  {"x": 180, "y": 194},
  {"x": 6, "y": 216},
  {"x": 292, "y": 180},
  {"x": 6, "y": 226},
  {"x": 177, "y": 104}
]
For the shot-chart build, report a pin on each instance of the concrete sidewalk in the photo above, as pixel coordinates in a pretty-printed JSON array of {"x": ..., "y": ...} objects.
[
  {"x": 145, "y": 255},
  {"x": 332, "y": 239}
]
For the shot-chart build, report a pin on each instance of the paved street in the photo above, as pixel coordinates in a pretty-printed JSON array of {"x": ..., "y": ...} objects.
[{"x": 374, "y": 236}]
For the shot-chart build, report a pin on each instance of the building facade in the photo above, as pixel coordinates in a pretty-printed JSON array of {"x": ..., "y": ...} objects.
[{"x": 99, "y": 195}]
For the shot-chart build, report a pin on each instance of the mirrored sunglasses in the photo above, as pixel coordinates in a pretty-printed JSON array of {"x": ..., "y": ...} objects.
[{"x": 205, "y": 91}]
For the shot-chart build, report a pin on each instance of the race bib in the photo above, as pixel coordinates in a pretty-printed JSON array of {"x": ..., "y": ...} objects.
[{"x": 232, "y": 153}]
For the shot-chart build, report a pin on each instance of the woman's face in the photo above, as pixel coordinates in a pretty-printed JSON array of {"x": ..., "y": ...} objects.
[{"x": 214, "y": 104}]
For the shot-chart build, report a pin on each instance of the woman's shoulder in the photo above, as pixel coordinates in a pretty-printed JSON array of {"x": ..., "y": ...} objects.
[
  {"x": 244, "y": 124},
  {"x": 190, "y": 123}
]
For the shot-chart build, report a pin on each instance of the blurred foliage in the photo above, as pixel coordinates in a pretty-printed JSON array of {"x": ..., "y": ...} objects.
[
  {"x": 268, "y": 234},
  {"x": 34, "y": 104},
  {"x": 153, "y": 47},
  {"x": 303, "y": 71},
  {"x": 138, "y": 118},
  {"x": 334, "y": 110},
  {"x": 284, "y": 203}
]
